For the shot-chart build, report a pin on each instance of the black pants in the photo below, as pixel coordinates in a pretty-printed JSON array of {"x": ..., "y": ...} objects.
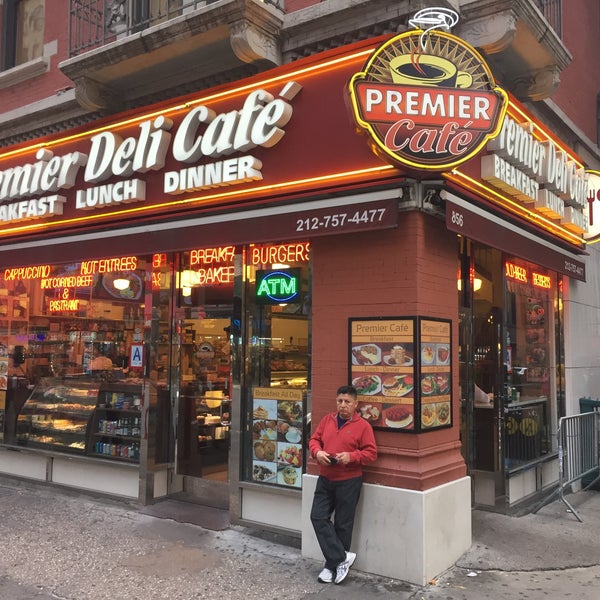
[{"x": 341, "y": 498}]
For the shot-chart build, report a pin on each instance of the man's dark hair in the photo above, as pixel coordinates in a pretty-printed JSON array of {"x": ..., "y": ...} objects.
[{"x": 348, "y": 389}]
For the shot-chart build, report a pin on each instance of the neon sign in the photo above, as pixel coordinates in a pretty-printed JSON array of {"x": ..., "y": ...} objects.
[
  {"x": 282, "y": 253},
  {"x": 109, "y": 265},
  {"x": 159, "y": 260},
  {"x": 67, "y": 281},
  {"x": 24, "y": 273},
  {"x": 522, "y": 275},
  {"x": 427, "y": 100},
  {"x": 207, "y": 256},
  {"x": 64, "y": 305},
  {"x": 214, "y": 266},
  {"x": 276, "y": 287}
]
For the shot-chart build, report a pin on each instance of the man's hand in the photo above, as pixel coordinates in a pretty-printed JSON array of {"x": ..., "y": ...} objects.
[
  {"x": 343, "y": 457},
  {"x": 322, "y": 457}
]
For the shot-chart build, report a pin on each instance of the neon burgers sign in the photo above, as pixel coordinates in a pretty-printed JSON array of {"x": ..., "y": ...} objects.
[{"x": 426, "y": 98}]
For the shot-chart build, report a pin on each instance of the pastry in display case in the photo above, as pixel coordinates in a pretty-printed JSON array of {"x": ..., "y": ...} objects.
[
  {"x": 56, "y": 414},
  {"x": 212, "y": 418},
  {"x": 289, "y": 367},
  {"x": 204, "y": 440}
]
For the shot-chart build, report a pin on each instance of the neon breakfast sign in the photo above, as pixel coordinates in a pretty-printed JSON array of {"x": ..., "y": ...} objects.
[
  {"x": 428, "y": 105},
  {"x": 211, "y": 266}
]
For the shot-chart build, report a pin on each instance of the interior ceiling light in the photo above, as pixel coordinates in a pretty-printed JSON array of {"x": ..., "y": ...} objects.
[{"x": 121, "y": 283}]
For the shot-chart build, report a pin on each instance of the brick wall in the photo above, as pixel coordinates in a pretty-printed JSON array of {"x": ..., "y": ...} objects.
[{"x": 407, "y": 271}]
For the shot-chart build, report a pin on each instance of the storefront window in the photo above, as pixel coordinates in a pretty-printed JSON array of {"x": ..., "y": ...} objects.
[
  {"x": 510, "y": 369},
  {"x": 530, "y": 361},
  {"x": 71, "y": 346},
  {"x": 277, "y": 280}
]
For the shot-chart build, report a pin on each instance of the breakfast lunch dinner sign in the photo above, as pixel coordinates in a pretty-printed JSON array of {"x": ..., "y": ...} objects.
[{"x": 427, "y": 106}]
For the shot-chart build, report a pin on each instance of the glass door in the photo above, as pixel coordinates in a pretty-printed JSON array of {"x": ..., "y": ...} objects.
[
  {"x": 202, "y": 318},
  {"x": 481, "y": 367},
  {"x": 204, "y": 395}
]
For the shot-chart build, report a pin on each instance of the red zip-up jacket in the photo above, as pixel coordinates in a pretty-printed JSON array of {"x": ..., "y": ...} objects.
[{"x": 354, "y": 436}]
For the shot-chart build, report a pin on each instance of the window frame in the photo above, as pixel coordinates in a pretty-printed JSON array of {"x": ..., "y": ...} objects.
[{"x": 10, "y": 18}]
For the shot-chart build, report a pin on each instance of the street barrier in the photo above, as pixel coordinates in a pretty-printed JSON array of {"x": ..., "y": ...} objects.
[{"x": 578, "y": 454}]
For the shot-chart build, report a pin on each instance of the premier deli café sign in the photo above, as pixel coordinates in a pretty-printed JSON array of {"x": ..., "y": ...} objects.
[
  {"x": 536, "y": 172},
  {"x": 431, "y": 107},
  {"x": 221, "y": 141}
]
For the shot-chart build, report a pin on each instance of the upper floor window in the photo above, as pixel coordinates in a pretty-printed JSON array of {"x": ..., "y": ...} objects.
[
  {"x": 552, "y": 11},
  {"x": 22, "y": 23}
]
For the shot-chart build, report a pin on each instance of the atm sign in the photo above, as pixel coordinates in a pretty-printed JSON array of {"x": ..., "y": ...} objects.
[{"x": 276, "y": 287}]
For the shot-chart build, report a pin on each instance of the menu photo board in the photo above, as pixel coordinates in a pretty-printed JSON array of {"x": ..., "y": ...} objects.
[
  {"x": 401, "y": 369},
  {"x": 278, "y": 436},
  {"x": 435, "y": 377}
]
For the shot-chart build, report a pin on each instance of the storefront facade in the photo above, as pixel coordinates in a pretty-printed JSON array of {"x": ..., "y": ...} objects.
[{"x": 237, "y": 255}]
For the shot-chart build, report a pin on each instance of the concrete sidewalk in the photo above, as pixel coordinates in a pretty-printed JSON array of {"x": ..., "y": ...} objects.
[
  {"x": 539, "y": 556},
  {"x": 65, "y": 545}
]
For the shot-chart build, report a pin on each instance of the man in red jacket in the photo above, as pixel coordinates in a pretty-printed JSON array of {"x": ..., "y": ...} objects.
[{"x": 342, "y": 443}]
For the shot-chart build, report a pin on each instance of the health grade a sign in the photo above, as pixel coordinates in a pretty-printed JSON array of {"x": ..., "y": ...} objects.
[{"x": 427, "y": 107}]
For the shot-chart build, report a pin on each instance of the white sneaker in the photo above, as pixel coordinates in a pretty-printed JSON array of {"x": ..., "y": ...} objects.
[
  {"x": 350, "y": 558},
  {"x": 342, "y": 571},
  {"x": 325, "y": 576}
]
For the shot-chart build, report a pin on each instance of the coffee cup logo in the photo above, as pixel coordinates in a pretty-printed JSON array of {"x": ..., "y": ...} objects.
[
  {"x": 430, "y": 70},
  {"x": 428, "y": 101}
]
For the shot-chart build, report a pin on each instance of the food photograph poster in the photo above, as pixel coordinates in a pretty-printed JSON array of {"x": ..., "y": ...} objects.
[
  {"x": 401, "y": 368},
  {"x": 277, "y": 436}
]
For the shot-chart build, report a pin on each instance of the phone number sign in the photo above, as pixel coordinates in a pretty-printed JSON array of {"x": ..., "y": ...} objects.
[{"x": 342, "y": 219}]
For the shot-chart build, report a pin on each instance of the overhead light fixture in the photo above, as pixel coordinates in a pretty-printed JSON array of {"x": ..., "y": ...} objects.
[
  {"x": 121, "y": 283},
  {"x": 476, "y": 282},
  {"x": 189, "y": 278}
]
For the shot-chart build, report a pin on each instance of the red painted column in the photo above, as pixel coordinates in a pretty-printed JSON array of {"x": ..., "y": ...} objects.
[{"x": 406, "y": 271}]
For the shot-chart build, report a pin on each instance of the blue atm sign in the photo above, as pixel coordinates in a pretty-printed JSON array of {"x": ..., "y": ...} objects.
[{"x": 276, "y": 287}]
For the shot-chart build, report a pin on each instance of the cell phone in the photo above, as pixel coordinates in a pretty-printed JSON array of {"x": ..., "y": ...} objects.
[{"x": 332, "y": 459}]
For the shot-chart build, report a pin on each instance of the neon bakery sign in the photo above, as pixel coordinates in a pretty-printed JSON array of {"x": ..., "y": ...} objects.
[{"x": 427, "y": 101}]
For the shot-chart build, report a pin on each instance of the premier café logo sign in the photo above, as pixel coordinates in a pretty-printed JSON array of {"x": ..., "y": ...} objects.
[
  {"x": 202, "y": 143},
  {"x": 427, "y": 100}
]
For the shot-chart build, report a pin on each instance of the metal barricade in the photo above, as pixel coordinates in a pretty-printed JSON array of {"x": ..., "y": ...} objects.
[{"x": 578, "y": 454}]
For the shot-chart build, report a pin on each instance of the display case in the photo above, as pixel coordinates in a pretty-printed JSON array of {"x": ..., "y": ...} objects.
[
  {"x": 14, "y": 315},
  {"x": 56, "y": 415},
  {"x": 289, "y": 367},
  {"x": 116, "y": 425},
  {"x": 205, "y": 443}
]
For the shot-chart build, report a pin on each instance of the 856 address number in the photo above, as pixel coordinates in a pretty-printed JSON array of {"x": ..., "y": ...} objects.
[{"x": 342, "y": 219}]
